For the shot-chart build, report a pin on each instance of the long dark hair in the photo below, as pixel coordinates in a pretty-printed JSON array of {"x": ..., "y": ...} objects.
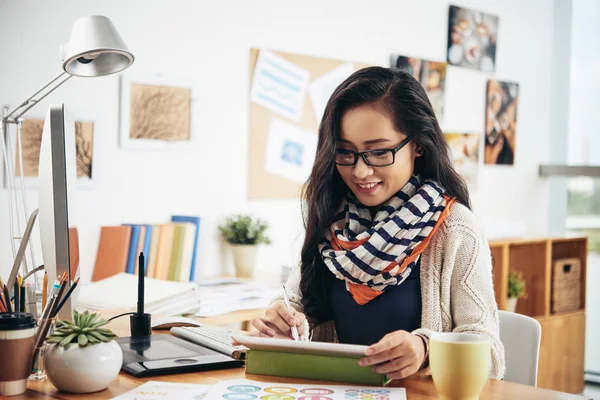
[{"x": 408, "y": 105}]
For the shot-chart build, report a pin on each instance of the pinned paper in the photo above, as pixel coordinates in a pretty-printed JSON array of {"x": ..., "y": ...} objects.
[
  {"x": 290, "y": 151},
  {"x": 279, "y": 85},
  {"x": 322, "y": 88}
]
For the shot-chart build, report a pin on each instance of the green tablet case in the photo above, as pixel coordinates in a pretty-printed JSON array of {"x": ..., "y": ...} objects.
[{"x": 308, "y": 366}]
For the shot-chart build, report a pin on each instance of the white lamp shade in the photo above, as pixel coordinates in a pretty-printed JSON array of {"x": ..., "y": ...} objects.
[{"x": 95, "y": 48}]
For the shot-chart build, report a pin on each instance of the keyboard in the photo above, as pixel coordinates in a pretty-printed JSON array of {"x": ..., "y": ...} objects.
[{"x": 212, "y": 337}]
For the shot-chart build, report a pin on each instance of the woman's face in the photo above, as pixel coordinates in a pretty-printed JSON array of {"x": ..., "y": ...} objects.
[{"x": 368, "y": 127}]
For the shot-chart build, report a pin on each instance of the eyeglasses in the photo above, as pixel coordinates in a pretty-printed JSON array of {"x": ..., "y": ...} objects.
[{"x": 373, "y": 158}]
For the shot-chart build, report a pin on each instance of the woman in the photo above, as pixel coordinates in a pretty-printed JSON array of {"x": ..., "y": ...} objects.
[{"x": 392, "y": 252}]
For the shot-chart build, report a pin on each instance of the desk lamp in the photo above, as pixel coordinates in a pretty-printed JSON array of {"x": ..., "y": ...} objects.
[{"x": 95, "y": 48}]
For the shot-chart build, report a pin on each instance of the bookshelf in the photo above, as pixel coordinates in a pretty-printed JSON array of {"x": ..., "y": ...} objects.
[{"x": 562, "y": 351}]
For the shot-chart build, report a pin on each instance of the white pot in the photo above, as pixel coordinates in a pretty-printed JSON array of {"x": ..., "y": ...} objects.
[
  {"x": 86, "y": 369},
  {"x": 511, "y": 304},
  {"x": 244, "y": 258}
]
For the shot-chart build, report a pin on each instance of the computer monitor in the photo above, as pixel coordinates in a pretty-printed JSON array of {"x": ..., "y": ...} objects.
[{"x": 57, "y": 174}]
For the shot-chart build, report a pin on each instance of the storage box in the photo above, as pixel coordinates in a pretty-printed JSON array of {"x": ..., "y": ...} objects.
[{"x": 566, "y": 285}]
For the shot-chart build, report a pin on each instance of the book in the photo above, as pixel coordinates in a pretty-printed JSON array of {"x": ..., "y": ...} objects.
[
  {"x": 187, "y": 253},
  {"x": 310, "y": 366},
  {"x": 153, "y": 255},
  {"x": 165, "y": 247},
  {"x": 176, "y": 252},
  {"x": 196, "y": 222},
  {"x": 133, "y": 246},
  {"x": 146, "y": 247},
  {"x": 113, "y": 250}
]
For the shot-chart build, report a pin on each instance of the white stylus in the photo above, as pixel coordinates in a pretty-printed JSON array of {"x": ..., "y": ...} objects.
[{"x": 289, "y": 307}]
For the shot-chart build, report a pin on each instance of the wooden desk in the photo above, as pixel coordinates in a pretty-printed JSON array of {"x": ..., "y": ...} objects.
[{"x": 418, "y": 387}]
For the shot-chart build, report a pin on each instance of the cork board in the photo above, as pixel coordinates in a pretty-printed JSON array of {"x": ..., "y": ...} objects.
[{"x": 261, "y": 183}]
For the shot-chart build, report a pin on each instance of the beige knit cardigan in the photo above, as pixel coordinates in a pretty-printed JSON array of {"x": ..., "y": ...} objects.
[{"x": 457, "y": 291}]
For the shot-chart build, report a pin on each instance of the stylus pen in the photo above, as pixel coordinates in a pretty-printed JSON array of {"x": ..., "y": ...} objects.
[{"x": 289, "y": 307}]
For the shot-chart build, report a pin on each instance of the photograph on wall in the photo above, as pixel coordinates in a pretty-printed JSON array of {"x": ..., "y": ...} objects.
[
  {"x": 431, "y": 75},
  {"x": 155, "y": 112},
  {"x": 472, "y": 39},
  {"x": 501, "y": 122},
  {"x": 31, "y": 135},
  {"x": 290, "y": 151},
  {"x": 464, "y": 149}
]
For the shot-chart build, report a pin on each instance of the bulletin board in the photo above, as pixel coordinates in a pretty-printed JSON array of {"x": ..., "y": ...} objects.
[{"x": 268, "y": 116}]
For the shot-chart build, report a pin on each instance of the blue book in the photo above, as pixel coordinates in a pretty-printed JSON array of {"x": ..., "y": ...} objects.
[
  {"x": 146, "y": 250},
  {"x": 195, "y": 221},
  {"x": 133, "y": 246}
]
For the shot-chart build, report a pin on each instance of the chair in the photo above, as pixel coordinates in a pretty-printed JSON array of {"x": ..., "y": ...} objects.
[{"x": 521, "y": 336}]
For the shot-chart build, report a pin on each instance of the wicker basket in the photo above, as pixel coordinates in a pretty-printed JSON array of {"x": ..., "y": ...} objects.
[{"x": 566, "y": 285}]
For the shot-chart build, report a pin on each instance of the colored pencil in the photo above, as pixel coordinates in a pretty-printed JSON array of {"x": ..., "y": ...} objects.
[
  {"x": 7, "y": 298},
  {"x": 45, "y": 290},
  {"x": 63, "y": 301}
]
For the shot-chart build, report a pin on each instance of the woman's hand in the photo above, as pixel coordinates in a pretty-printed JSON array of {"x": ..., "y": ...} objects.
[
  {"x": 277, "y": 322},
  {"x": 398, "y": 354}
]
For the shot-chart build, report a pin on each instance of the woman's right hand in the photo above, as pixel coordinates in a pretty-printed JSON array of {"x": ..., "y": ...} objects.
[{"x": 277, "y": 322}]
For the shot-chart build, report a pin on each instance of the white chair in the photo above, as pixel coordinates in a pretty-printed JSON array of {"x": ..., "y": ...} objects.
[{"x": 521, "y": 336}]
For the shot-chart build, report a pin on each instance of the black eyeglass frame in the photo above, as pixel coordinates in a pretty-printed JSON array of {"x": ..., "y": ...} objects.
[{"x": 362, "y": 154}]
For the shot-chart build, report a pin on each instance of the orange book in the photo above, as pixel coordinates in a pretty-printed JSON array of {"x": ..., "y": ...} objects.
[
  {"x": 113, "y": 250},
  {"x": 73, "y": 253},
  {"x": 165, "y": 248}
]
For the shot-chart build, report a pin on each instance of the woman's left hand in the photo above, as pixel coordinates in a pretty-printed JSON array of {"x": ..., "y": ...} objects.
[{"x": 398, "y": 354}]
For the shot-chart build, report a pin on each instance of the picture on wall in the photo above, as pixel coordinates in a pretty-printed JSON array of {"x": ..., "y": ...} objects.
[
  {"x": 464, "y": 148},
  {"x": 155, "y": 112},
  {"x": 472, "y": 39},
  {"x": 431, "y": 75},
  {"x": 31, "y": 134},
  {"x": 501, "y": 122}
]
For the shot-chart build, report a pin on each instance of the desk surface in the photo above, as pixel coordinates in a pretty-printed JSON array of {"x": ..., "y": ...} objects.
[{"x": 418, "y": 387}]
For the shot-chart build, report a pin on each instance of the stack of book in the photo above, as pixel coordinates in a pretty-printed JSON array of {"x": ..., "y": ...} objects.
[
  {"x": 120, "y": 292},
  {"x": 170, "y": 249}
]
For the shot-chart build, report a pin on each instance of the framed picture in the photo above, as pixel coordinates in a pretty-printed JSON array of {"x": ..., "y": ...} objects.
[
  {"x": 472, "y": 39},
  {"x": 501, "y": 122},
  {"x": 31, "y": 136},
  {"x": 464, "y": 149},
  {"x": 431, "y": 75},
  {"x": 155, "y": 112}
]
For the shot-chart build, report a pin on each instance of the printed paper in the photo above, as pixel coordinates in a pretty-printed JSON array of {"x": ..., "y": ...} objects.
[
  {"x": 290, "y": 151},
  {"x": 322, "y": 88},
  {"x": 279, "y": 85}
]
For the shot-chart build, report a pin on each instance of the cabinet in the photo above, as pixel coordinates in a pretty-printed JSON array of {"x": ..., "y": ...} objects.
[{"x": 561, "y": 364}]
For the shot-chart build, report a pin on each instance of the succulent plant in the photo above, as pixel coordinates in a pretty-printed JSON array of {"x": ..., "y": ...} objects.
[{"x": 84, "y": 329}]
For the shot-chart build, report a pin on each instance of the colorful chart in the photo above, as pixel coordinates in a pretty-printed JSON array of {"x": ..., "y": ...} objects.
[{"x": 244, "y": 389}]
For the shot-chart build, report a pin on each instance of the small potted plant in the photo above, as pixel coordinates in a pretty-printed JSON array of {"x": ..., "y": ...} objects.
[
  {"x": 83, "y": 357},
  {"x": 244, "y": 233},
  {"x": 516, "y": 289}
]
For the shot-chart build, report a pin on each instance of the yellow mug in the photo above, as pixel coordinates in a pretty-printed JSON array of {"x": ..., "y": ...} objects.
[{"x": 460, "y": 364}]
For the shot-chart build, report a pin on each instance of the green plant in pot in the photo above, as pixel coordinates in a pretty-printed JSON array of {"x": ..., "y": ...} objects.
[
  {"x": 83, "y": 356},
  {"x": 244, "y": 233},
  {"x": 516, "y": 289}
]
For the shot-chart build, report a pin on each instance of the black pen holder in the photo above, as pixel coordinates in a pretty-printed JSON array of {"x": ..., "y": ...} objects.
[{"x": 140, "y": 325}]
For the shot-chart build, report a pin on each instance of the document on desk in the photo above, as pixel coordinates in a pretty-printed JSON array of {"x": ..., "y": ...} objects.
[
  {"x": 249, "y": 389},
  {"x": 153, "y": 390}
]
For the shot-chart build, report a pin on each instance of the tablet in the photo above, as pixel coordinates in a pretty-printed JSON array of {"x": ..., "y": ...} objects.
[{"x": 292, "y": 346}]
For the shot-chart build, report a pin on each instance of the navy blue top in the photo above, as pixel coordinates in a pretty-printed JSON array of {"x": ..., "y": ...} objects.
[{"x": 398, "y": 308}]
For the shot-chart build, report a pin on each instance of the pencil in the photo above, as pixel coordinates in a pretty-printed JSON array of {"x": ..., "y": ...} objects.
[
  {"x": 7, "y": 298},
  {"x": 45, "y": 290},
  {"x": 22, "y": 294},
  {"x": 64, "y": 300},
  {"x": 17, "y": 296}
]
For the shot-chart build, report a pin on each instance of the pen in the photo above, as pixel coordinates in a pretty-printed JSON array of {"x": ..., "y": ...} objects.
[{"x": 289, "y": 307}]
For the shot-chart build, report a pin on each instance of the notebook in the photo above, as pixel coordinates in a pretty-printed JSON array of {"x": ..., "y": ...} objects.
[{"x": 113, "y": 249}]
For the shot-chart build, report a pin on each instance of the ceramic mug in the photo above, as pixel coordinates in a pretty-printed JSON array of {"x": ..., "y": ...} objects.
[{"x": 460, "y": 364}]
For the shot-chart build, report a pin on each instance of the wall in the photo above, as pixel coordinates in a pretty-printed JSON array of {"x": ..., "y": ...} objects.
[{"x": 208, "y": 43}]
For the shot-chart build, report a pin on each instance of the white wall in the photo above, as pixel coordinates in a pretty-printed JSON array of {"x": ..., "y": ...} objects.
[{"x": 208, "y": 43}]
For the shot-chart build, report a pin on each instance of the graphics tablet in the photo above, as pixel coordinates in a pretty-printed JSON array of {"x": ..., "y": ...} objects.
[
  {"x": 292, "y": 346},
  {"x": 166, "y": 354}
]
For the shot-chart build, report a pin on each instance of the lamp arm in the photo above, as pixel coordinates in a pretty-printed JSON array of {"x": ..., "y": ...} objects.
[{"x": 31, "y": 101}]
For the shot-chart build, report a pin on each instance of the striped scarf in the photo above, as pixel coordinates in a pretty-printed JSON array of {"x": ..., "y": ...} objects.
[{"x": 371, "y": 255}]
